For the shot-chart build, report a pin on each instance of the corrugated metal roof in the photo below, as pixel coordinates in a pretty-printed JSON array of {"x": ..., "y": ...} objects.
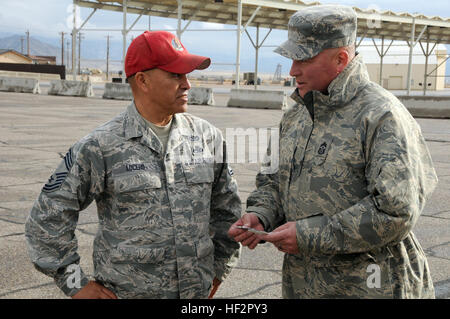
[{"x": 276, "y": 13}]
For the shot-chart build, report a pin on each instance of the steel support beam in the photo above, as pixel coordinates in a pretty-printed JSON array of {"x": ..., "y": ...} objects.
[
  {"x": 135, "y": 21},
  {"x": 179, "y": 15},
  {"x": 251, "y": 19},
  {"x": 238, "y": 44},
  {"x": 448, "y": 57},
  {"x": 412, "y": 44},
  {"x": 425, "y": 78},
  {"x": 427, "y": 54},
  {"x": 75, "y": 31},
  {"x": 360, "y": 40},
  {"x": 382, "y": 54},
  {"x": 74, "y": 40},
  {"x": 124, "y": 38},
  {"x": 257, "y": 46},
  {"x": 411, "y": 47}
]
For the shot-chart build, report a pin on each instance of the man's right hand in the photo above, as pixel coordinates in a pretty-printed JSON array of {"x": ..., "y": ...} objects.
[
  {"x": 94, "y": 290},
  {"x": 243, "y": 236}
]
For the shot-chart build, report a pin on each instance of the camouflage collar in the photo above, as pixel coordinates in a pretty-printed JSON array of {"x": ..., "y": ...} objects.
[
  {"x": 134, "y": 124},
  {"x": 296, "y": 97},
  {"x": 343, "y": 88},
  {"x": 346, "y": 85},
  {"x": 180, "y": 128}
]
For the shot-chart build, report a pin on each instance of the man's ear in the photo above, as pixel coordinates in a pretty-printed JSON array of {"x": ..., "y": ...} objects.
[
  {"x": 342, "y": 60},
  {"x": 141, "y": 81}
]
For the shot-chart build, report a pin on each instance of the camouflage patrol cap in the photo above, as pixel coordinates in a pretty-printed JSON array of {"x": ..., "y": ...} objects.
[{"x": 316, "y": 28}]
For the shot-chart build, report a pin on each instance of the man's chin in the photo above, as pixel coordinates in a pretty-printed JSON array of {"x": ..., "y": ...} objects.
[{"x": 182, "y": 108}]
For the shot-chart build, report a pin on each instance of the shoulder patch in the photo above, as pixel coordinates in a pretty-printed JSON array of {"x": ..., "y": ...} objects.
[
  {"x": 59, "y": 176},
  {"x": 68, "y": 160}
]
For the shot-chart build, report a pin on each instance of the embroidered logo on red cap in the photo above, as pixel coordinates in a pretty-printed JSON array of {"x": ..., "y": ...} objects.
[{"x": 176, "y": 44}]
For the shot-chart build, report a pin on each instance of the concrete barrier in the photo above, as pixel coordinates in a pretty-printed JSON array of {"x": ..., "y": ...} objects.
[
  {"x": 260, "y": 99},
  {"x": 200, "y": 95},
  {"x": 71, "y": 88},
  {"x": 118, "y": 91},
  {"x": 19, "y": 85},
  {"x": 427, "y": 106}
]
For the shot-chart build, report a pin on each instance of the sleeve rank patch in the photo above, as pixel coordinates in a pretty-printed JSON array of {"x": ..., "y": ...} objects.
[
  {"x": 59, "y": 176},
  {"x": 68, "y": 160}
]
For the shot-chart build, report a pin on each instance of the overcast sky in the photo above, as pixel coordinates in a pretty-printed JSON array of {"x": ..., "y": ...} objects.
[{"x": 47, "y": 18}]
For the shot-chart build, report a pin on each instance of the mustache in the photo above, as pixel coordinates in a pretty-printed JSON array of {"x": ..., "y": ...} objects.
[{"x": 183, "y": 93}]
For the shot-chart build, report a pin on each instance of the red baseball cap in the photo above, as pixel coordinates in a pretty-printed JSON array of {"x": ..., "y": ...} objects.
[{"x": 162, "y": 50}]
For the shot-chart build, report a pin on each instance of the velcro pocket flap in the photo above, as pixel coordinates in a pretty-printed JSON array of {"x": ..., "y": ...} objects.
[
  {"x": 134, "y": 182},
  {"x": 130, "y": 254},
  {"x": 199, "y": 173}
]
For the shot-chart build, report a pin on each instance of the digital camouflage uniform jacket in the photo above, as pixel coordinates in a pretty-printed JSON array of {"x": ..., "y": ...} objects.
[
  {"x": 163, "y": 220},
  {"x": 355, "y": 179}
]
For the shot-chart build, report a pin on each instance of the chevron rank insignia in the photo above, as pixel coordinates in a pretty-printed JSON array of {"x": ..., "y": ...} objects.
[{"x": 59, "y": 176}]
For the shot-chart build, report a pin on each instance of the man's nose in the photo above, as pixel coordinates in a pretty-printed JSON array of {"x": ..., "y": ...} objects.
[
  {"x": 295, "y": 68},
  {"x": 185, "y": 84}
]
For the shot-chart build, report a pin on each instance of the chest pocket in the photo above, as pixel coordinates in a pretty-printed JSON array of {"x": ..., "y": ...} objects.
[
  {"x": 198, "y": 173},
  {"x": 136, "y": 182}
]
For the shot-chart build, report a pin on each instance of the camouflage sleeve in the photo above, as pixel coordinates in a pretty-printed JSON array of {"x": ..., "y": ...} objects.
[
  {"x": 225, "y": 210},
  {"x": 50, "y": 227},
  {"x": 400, "y": 178},
  {"x": 264, "y": 201}
]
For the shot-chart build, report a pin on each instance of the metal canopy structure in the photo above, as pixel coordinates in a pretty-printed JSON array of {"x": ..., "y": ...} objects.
[{"x": 270, "y": 14}]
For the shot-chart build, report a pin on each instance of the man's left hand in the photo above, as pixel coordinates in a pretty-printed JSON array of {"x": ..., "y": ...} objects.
[{"x": 284, "y": 238}]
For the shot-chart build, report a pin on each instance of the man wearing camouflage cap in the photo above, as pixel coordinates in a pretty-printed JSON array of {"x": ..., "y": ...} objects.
[
  {"x": 354, "y": 174},
  {"x": 164, "y": 191}
]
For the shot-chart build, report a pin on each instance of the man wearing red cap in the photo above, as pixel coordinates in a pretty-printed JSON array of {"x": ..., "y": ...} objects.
[{"x": 164, "y": 191}]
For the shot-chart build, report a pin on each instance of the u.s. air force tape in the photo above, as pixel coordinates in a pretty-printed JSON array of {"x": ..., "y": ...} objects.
[{"x": 59, "y": 176}]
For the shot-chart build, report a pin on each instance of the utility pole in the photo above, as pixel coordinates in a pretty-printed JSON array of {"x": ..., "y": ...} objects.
[
  {"x": 80, "y": 36},
  {"x": 21, "y": 44},
  {"x": 62, "y": 47},
  {"x": 28, "y": 42},
  {"x": 107, "y": 57},
  {"x": 124, "y": 37},
  {"x": 67, "y": 50},
  {"x": 74, "y": 41}
]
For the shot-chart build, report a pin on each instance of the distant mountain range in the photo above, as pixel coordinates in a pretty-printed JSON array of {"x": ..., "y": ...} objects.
[
  {"x": 37, "y": 47},
  {"x": 93, "y": 52},
  {"x": 89, "y": 49}
]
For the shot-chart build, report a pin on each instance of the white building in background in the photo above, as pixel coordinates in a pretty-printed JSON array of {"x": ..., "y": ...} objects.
[{"x": 395, "y": 65}]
